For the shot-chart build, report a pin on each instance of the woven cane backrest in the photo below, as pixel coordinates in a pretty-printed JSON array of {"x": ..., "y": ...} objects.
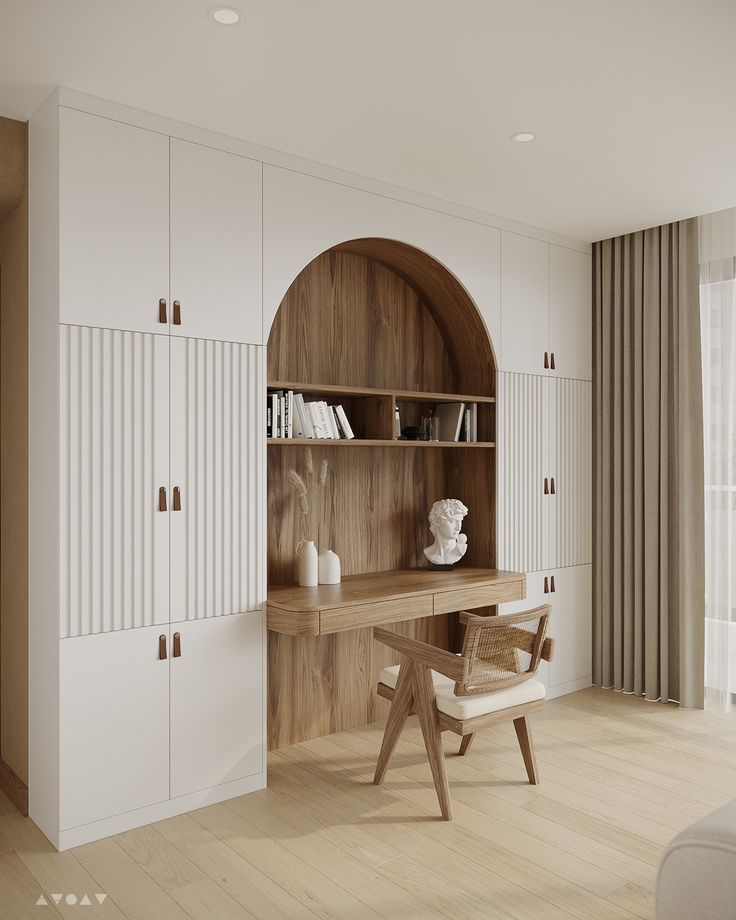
[{"x": 501, "y": 651}]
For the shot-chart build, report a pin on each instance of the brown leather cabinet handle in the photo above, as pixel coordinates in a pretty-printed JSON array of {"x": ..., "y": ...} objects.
[
  {"x": 177, "y": 645},
  {"x": 552, "y": 585},
  {"x": 162, "y": 498},
  {"x": 552, "y": 486},
  {"x": 177, "y": 313},
  {"x": 552, "y": 361},
  {"x": 546, "y": 361},
  {"x": 162, "y": 647},
  {"x": 176, "y": 504},
  {"x": 546, "y": 585},
  {"x": 546, "y": 486},
  {"x": 162, "y": 311}
]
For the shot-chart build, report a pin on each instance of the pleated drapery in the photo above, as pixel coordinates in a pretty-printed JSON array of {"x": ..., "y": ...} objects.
[{"x": 648, "y": 553}]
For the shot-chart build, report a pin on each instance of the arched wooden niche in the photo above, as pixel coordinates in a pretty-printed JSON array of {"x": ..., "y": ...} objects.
[{"x": 377, "y": 313}]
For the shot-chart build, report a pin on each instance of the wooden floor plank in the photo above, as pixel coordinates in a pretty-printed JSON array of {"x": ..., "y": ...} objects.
[
  {"x": 20, "y": 892},
  {"x": 619, "y": 778},
  {"x": 59, "y": 873}
]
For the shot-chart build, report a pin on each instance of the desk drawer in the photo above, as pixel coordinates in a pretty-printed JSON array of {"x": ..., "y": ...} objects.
[
  {"x": 360, "y": 615},
  {"x": 483, "y": 596}
]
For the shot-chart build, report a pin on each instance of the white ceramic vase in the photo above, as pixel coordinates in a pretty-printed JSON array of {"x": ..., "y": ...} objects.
[
  {"x": 307, "y": 563},
  {"x": 329, "y": 568}
]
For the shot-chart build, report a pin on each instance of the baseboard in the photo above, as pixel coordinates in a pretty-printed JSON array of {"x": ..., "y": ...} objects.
[
  {"x": 76, "y": 836},
  {"x": 14, "y": 787},
  {"x": 571, "y": 687}
]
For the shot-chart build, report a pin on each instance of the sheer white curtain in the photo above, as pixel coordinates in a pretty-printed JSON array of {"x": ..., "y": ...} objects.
[{"x": 718, "y": 324}]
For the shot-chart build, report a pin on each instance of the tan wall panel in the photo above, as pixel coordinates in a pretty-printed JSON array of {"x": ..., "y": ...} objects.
[{"x": 14, "y": 453}]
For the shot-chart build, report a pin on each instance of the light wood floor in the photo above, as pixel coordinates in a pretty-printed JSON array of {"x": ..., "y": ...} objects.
[{"x": 619, "y": 778}]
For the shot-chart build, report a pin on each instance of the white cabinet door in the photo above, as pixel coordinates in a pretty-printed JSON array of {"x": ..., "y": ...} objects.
[
  {"x": 215, "y": 244},
  {"x": 571, "y": 624},
  {"x": 113, "y": 462},
  {"x": 523, "y": 467},
  {"x": 217, "y": 474},
  {"x": 571, "y": 463},
  {"x": 113, "y": 223},
  {"x": 536, "y": 595},
  {"x": 217, "y": 716},
  {"x": 114, "y": 724},
  {"x": 571, "y": 312},
  {"x": 524, "y": 304}
]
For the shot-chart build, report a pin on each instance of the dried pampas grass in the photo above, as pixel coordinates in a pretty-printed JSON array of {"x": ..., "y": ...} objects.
[{"x": 301, "y": 490}]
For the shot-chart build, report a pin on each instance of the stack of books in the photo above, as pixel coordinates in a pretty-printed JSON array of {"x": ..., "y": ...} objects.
[{"x": 289, "y": 415}]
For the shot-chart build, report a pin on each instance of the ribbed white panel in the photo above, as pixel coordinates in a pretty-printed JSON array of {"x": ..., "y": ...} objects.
[
  {"x": 113, "y": 405},
  {"x": 520, "y": 439},
  {"x": 217, "y": 460},
  {"x": 574, "y": 469}
]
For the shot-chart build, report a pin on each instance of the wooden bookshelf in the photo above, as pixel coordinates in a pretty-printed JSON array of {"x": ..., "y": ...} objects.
[
  {"x": 372, "y": 442},
  {"x": 372, "y": 324}
]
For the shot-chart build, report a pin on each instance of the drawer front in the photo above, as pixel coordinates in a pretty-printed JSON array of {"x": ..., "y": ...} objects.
[
  {"x": 483, "y": 596},
  {"x": 361, "y": 615}
]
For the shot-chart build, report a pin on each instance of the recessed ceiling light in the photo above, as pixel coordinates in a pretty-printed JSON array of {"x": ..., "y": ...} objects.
[
  {"x": 226, "y": 15},
  {"x": 523, "y": 137}
]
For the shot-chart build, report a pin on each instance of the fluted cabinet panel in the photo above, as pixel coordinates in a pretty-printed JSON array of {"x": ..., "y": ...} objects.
[
  {"x": 114, "y": 427},
  {"x": 217, "y": 463},
  {"x": 522, "y": 544},
  {"x": 574, "y": 462}
]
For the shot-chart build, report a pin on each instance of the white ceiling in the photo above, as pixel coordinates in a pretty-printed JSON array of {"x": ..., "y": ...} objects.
[{"x": 632, "y": 100}]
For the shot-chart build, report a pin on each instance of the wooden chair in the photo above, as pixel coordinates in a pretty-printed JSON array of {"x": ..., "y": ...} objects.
[{"x": 490, "y": 681}]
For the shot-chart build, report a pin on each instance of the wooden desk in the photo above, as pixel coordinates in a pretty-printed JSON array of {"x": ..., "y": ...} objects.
[{"x": 387, "y": 597}]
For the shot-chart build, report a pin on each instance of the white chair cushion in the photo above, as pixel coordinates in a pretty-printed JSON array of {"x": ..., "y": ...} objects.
[{"x": 478, "y": 704}]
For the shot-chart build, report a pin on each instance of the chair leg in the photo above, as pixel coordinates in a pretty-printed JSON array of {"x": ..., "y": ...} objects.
[
  {"x": 397, "y": 715},
  {"x": 524, "y": 736},
  {"x": 465, "y": 743},
  {"x": 427, "y": 711}
]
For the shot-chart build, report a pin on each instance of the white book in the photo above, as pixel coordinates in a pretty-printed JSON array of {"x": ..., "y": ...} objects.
[
  {"x": 333, "y": 423},
  {"x": 304, "y": 419},
  {"x": 450, "y": 417},
  {"x": 289, "y": 413},
  {"x": 466, "y": 425},
  {"x": 296, "y": 418},
  {"x": 344, "y": 423},
  {"x": 325, "y": 420},
  {"x": 313, "y": 409}
]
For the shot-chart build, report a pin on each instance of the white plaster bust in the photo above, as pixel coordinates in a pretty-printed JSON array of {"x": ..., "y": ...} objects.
[{"x": 445, "y": 521}]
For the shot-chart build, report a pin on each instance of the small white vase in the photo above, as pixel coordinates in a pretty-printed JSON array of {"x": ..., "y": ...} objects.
[
  {"x": 329, "y": 568},
  {"x": 307, "y": 564}
]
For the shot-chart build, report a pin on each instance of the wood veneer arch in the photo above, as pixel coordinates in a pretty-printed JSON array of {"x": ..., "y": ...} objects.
[{"x": 372, "y": 313}]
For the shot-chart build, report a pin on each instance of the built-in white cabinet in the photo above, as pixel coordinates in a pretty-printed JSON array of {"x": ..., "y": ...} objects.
[
  {"x": 217, "y": 471},
  {"x": 570, "y": 312},
  {"x": 114, "y": 738},
  {"x": 571, "y": 597},
  {"x": 161, "y": 459},
  {"x": 215, "y": 244},
  {"x": 156, "y": 713},
  {"x": 113, "y": 477},
  {"x": 544, "y": 470},
  {"x": 546, "y": 316},
  {"x": 217, "y": 712},
  {"x": 113, "y": 223},
  {"x": 524, "y": 304},
  {"x": 569, "y": 592},
  {"x": 157, "y": 234}
]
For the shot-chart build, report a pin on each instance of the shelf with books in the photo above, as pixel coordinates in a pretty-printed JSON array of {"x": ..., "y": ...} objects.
[
  {"x": 296, "y": 412},
  {"x": 375, "y": 442}
]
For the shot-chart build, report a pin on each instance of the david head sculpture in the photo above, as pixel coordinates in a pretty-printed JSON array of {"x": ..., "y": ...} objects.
[{"x": 445, "y": 523}]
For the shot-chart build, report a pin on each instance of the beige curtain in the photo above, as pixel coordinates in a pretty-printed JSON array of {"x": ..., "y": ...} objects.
[{"x": 648, "y": 583}]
